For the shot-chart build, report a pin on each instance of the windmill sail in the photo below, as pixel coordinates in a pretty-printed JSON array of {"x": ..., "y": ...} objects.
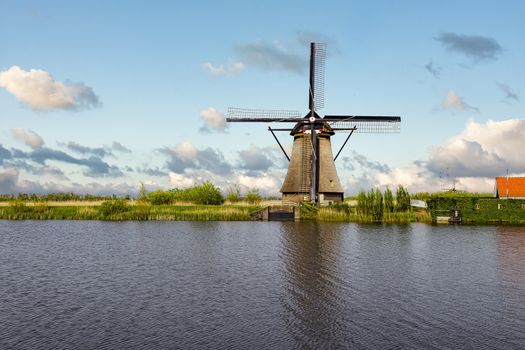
[
  {"x": 364, "y": 124},
  {"x": 317, "y": 64},
  {"x": 263, "y": 115}
]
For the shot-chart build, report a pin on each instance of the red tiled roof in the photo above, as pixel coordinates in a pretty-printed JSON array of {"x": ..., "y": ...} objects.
[{"x": 514, "y": 185}]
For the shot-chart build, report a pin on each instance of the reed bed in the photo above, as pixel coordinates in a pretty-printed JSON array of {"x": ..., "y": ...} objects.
[{"x": 349, "y": 214}]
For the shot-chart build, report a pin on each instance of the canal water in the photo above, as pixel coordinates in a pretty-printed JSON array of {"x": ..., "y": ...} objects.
[{"x": 260, "y": 285}]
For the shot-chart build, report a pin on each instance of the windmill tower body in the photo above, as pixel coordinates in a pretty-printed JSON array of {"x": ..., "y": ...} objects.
[{"x": 297, "y": 185}]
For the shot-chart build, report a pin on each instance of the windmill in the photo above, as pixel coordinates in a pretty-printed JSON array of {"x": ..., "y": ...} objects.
[{"x": 312, "y": 175}]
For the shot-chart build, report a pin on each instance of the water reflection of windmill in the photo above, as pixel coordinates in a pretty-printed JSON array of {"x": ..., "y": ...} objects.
[{"x": 312, "y": 175}]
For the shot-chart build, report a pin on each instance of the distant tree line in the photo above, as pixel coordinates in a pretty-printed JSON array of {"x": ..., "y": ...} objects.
[
  {"x": 205, "y": 193},
  {"x": 55, "y": 197}
]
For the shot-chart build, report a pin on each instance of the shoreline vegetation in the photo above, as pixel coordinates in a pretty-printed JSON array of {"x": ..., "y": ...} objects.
[{"x": 205, "y": 202}]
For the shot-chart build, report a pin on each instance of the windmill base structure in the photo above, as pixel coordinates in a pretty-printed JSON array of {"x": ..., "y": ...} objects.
[
  {"x": 297, "y": 183},
  {"x": 312, "y": 174}
]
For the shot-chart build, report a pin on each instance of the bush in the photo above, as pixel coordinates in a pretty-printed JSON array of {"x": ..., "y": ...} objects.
[
  {"x": 253, "y": 196},
  {"x": 160, "y": 197},
  {"x": 113, "y": 207},
  {"x": 234, "y": 194},
  {"x": 206, "y": 193}
]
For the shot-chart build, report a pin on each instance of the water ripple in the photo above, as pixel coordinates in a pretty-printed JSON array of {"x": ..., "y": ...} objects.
[{"x": 99, "y": 285}]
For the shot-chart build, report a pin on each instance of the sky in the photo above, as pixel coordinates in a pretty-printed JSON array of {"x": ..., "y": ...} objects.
[{"x": 99, "y": 96}]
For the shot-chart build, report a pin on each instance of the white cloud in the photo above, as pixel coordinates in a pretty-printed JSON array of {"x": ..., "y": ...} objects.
[
  {"x": 263, "y": 183},
  {"x": 179, "y": 180},
  {"x": 186, "y": 151},
  {"x": 233, "y": 68},
  {"x": 38, "y": 90},
  {"x": 483, "y": 149},
  {"x": 454, "y": 101},
  {"x": 30, "y": 138},
  {"x": 213, "y": 119},
  {"x": 414, "y": 176},
  {"x": 475, "y": 184},
  {"x": 466, "y": 158}
]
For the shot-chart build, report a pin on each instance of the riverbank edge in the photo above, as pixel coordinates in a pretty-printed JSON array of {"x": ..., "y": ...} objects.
[{"x": 211, "y": 213}]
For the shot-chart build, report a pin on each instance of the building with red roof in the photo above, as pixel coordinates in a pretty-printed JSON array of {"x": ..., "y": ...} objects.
[{"x": 510, "y": 187}]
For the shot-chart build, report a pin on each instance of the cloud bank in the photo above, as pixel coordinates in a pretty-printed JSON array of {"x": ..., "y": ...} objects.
[{"x": 473, "y": 158}]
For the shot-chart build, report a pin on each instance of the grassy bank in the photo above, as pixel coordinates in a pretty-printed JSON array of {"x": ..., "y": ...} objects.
[
  {"x": 349, "y": 214},
  {"x": 119, "y": 210},
  {"x": 42, "y": 211},
  {"x": 475, "y": 210}
]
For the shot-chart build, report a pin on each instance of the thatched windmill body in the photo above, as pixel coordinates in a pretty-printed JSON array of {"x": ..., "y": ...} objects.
[{"x": 312, "y": 174}]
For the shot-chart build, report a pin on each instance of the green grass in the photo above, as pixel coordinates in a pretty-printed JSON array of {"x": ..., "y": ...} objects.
[
  {"x": 120, "y": 211},
  {"x": 132, "y": 212}
]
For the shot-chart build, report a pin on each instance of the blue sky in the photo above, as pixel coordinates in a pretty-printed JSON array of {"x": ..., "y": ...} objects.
[{"x": 78, "y": 80}]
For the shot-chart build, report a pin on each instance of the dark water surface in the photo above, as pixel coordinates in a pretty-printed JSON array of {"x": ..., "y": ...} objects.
[{"x": 249, "y": 285}]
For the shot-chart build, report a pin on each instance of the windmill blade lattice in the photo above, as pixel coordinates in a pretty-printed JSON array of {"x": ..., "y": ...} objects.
[
  {"x": 263, "y": 115},
  {"x": 319, "y": 72},
  {"x": 364, "y": 124}
]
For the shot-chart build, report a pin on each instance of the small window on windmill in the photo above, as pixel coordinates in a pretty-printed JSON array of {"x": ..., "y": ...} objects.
[
  {"x": 477, "y": 206},
  {"x": 331, "y": 183},
  {"x": 500, "y": 206}
]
